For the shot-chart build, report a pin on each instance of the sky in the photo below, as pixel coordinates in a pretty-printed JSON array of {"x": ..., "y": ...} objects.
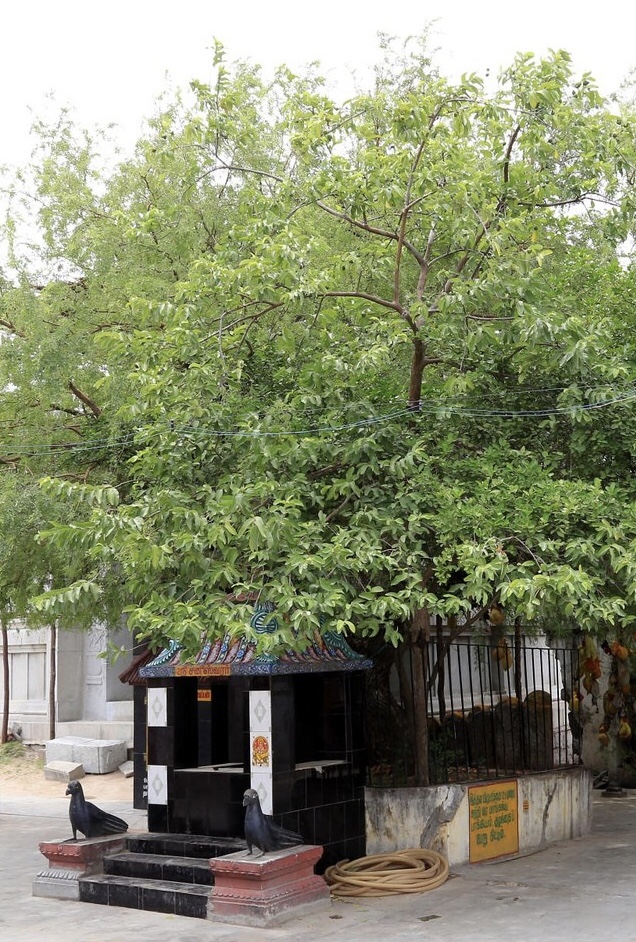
[{"x": 109, "y": 61}]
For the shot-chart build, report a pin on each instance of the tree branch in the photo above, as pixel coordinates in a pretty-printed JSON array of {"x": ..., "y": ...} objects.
[
  {"x": 233, "y": 168},
  {"x": 323, "y": 472},
  {"x": 373, "y": 230},
  {"x": 425, "y": 265},
  {"x": 391, "y": 305},
  {"x": 54, "y": 407},
  {"x": 508, "y": 154},
  {"x": 9, "y": 326},
  {"x": 488, "y": 317},
  {"x": 406, "y": 209},
  {"x": 88, "y": 402},
  {"x": 455, "y": 632},
  {"x": 573, "y": 201},
  {"x": 448, "y": 286},
  {"x": 341, "y": 506}
]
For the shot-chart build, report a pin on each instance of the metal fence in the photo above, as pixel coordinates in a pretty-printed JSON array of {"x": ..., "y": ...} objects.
[{"x": 492, "y": 710}]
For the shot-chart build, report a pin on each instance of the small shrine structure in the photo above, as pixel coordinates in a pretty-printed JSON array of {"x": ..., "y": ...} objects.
[{"x": 289, "y": 726}]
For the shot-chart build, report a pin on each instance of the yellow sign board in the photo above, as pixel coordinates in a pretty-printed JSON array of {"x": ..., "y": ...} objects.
[{"x": 494, "y": 820}]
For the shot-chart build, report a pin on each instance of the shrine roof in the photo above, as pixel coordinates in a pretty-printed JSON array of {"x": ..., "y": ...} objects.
[
  {"x": 237, "y": 656},
  {"x": 131, "y": 675}
]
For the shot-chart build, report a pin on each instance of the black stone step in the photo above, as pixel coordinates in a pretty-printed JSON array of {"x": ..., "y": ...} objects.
[
  {"x": 160, "y": 896},
  {"x": 159, "y": 867},
  {"x": 183, "y": 845}
]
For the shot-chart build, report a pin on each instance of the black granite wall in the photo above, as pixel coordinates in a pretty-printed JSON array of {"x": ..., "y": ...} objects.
[{"x": 316, "y": 719}]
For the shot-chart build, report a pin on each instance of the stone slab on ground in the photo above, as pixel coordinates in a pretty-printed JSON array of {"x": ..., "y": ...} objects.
[
  {"x": 127, "y": 768},
  {"x": 59, "y": 771},
  {"x": 98, "y": 756}
]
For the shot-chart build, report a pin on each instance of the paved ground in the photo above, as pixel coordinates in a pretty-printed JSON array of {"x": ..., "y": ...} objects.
[{"x": 583, "y": 890}]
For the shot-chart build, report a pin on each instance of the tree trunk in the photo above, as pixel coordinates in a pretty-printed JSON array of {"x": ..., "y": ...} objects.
[
  {"x": 4, "y": 733},
  {"x": 517, "y": 653},
  {"x": 441, "y": 671},
  {"x": 406, "y": 687},
  {"x": 52, "y": 678},
  {"x": 415, "y": 378},
  {"x": 419, "y": 635}
]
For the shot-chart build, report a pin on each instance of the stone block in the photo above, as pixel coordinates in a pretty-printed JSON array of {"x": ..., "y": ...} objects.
[
  {"x": 98, "y": 756},
  {"x": 59, "y": 771},
  {"x": 84, "y": 856},
  {"x": 61, "y": 749},
  {"x": 56, "y": 884},
  {"x": 127, "y": 768},
  {"x": 70, "y": 860},
  {"x": 267, "y": 890}
]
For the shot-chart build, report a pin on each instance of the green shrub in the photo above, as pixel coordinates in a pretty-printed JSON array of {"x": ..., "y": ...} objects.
[{"x": 11, "y": 750}]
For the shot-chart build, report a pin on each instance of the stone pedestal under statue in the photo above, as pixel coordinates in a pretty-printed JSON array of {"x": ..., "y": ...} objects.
[
  {"x": 70, "y": 860},
  {"x": 265, "y": 891}
]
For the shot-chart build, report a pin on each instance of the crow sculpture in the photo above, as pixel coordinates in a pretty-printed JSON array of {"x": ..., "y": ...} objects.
[
  {"x": 88, "y": 818},
  {"x": 261, "y": 830}
]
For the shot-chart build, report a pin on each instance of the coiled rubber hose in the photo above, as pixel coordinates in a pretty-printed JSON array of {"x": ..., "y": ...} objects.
[{"x": 403, "y": 871}]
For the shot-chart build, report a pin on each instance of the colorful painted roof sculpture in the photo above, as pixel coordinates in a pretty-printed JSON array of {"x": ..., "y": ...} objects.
[
  {"x": 236, "y": 656},
  {"x": 131, "y": 675}
]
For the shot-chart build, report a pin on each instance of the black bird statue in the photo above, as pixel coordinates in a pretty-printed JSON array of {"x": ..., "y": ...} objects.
[
  {"x": 261, "y": 830},
  {"x": 88, "y": 818}
]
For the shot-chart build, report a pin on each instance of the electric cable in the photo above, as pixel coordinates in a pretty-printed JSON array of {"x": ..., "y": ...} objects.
[{"x": 412, "y": 411}]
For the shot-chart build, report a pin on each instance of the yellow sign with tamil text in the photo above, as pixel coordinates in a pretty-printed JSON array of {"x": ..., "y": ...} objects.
[{"x": 493, "y": 820}]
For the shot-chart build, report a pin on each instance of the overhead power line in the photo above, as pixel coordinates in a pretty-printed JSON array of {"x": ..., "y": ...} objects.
[{"x": 434, "y": 407}]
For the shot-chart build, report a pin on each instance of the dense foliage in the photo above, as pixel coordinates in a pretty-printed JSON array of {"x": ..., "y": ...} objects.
[{"x": 370, "y": 361}]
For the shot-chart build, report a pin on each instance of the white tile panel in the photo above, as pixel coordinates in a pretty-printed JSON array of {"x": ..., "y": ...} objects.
[
  {"x": 157, "y": 784},
  {"x": 260, "y": 711},
  {"x": 157, "y": 701},
  {"x": 261, "y": 782}
]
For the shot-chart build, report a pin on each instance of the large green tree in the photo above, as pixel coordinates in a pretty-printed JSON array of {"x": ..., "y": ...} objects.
[{"x": 375, "y": 367}]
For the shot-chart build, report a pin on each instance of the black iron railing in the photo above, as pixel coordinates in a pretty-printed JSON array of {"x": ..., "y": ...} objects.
[{"x": 492, "y": 710}]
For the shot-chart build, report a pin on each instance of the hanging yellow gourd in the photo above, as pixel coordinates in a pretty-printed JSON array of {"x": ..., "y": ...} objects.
[
  {"x": 619, "y": 650},
  {"x": 622, "y": 677},
  {"x": 496, "y": 614},
  {"x": 503, "y": 654},
  {"x": 609, "y": 706},
  {"x": 592, "y": 667},
  {"x": 624, "y": 730}
]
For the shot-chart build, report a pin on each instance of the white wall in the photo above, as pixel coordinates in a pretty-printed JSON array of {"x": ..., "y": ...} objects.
[
  {"x": 28, "y": 677},
  {"x": 552, "y": 806},
  {"x": 87, "y": 687}
]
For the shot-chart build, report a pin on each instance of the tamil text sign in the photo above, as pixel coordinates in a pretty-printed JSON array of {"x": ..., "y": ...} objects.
[{"x": 493, "y": 820}]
